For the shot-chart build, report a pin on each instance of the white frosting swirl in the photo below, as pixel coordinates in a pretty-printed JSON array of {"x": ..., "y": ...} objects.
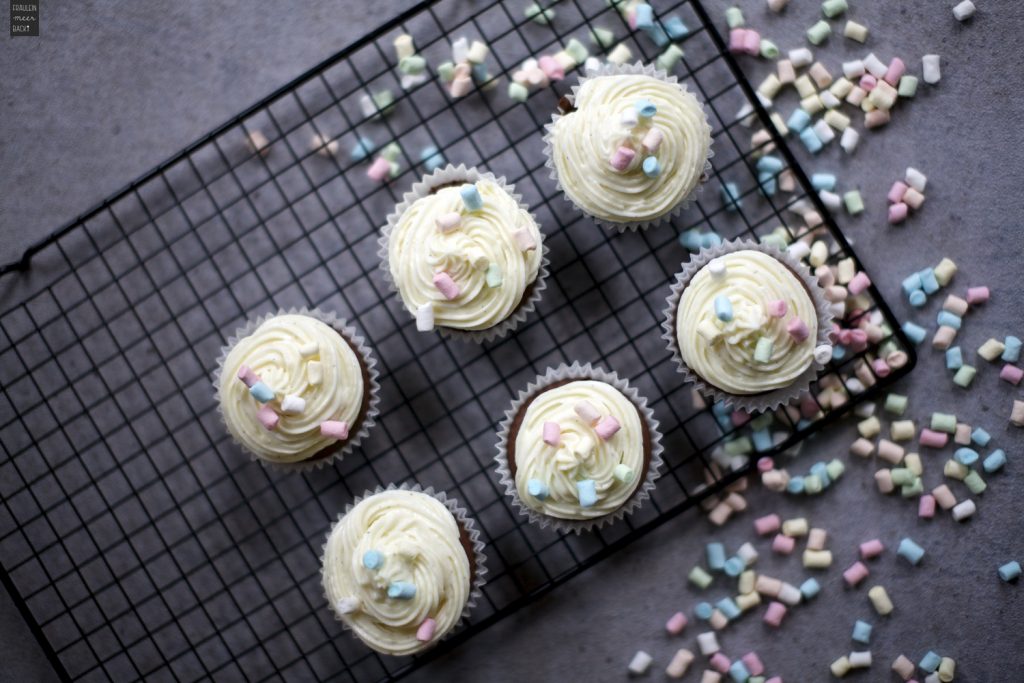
[
  {"x": 583, "y": 142},
  {"x": 419, "y": 541},
  {"x": 417, "y": 250},
  {"x": 582, "y": 454},
  {"x": 281, "y": 351},
  {"x": 752, "y": 279}
]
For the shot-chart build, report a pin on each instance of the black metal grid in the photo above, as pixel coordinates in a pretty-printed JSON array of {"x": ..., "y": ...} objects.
[{"x": 136, "y": 540}]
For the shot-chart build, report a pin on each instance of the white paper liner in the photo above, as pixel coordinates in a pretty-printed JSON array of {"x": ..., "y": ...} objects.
[
  {"x": 575, "y": 372},
  {"x": 752, "y": 402},
  {"x": 464, "y": 521},
  {"x": 461, "y": 173},
  {"x": 637, "y": 69},
  {"x": 373, "y": 387}
]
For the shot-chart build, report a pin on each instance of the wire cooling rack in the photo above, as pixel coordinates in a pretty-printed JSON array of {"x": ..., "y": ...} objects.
[{"x": 136, "y": 540}]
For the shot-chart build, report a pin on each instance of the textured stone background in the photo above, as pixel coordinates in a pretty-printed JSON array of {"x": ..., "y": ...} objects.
[{"x": 111, "y": 89}]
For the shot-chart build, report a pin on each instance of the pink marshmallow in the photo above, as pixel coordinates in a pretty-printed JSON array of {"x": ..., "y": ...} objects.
[
  {"x": 868, "y": 82},
  {"x": 843, "y": 337},
  {"x": 880, "y": 367},
  {"x": 856, "y": 573},
  {"x": 926, "y": 506},
  {"x": 719, "y": 662},
  {"x": 1011, "y": 374},
  {"x": 896, "y": 192},
  {"x": 739, "y": 418},
  {"x": 607, "y": 426},
  {"x": 797, "y": 329},
  {"x": 379, "y": 170},
  {"x": 754, "y": 664},
  {"x": 765, "y": 463},
  {"x": 857, "y": 285},
  {"x": 768, "y": 524},
  {"x": 334, "y": 429},
  {"x": 737, "y": 40},
  {"x": 449, "y": 221},
  {"x": 774, "y": 679},
  {"x": 872, "y": 548},
  {"x": 426, "y": 630},
  {"x": 446, "y": 285},
  {"x": 752, "y": 42},
  {"x": 777, "y": 308},
  {"x": 858, "y": 338},
  {"x": 652, "y": 140},
  {"x": 896, "y": 69},
  {"x": 552, "y": 433},
  {"x": 933, "y": 439},
  {"x": 977, "y": 295},
  {"x": 783, "y": 545},
  {"x": 808, "y": 406},
  {"x": 622, "y": 158},
  {"x": 773, "y": 615},
  {"x": 460, "y": 86},
  {"x": 551, "y": 68},
  {"x": 246, "y": 374},
  {"x": 898, "y": 213},
  {"x": 676, "y": 623},
  {"x": 267, "y": 417}
]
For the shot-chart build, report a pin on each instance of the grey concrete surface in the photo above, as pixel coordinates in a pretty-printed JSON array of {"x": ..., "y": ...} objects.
[{"x": 112, "y": 88}]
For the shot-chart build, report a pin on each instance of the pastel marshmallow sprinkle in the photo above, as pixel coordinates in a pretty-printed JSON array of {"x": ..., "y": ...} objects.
[
  {"x": 426, "y": 630},
  {"x": 552, "y": 433},
  {"x": 676, "y": 623},
  {"x": 446, "y": 285},
  {"x": 723, "y": 308},
  {"x": 471, "y": 197},
  {"x": 586, "y": 489},
  {"x": 373, "y": 559},
  {"x": 293, "y": 404},
  {"x": 379, "y": 170},
  {"x": 347, "y": 605},
  {"x": 798, "y": 330},
  {"x": 607, "y": 426},
  {"x": 334, "y": 429},
  {"x": 267, "y": 417},
  {"x": 247, "y": 376},
  {"x": 524, "y": 239},
  {"x": 537, "y": 489},
  {"x": 622, "y": 158},
  {"x": 645, "y": 108},
  {"x": 777, "y": 308},
  {"x": 652, "y": 140},
  {"x": 401, "y": 590},
  {"x": 449, "y": 221},
  {"x": 587, "y": 412},
  {"x": 261, "y": 392}
]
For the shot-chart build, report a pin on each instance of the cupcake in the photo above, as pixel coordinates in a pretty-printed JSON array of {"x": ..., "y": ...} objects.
[
  {"x": 296, "y": 388},
  {"x": 465, "y": 256},
  {"x": 629, "y": 147},
  {"x": 401, "y": 568},
  {"x": 748, "y": 324},
  {"x": 578, "y": 448}
]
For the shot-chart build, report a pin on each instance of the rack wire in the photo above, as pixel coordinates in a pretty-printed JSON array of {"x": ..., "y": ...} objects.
[{"x": 136, "y": 540}]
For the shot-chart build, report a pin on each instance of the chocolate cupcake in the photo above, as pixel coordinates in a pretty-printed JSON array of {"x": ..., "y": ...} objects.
[
  {"x": 466, "y": 257},
  {"x": 297, "y": 389},
  {"x": 578, "y": 448},
  {"x": 402, "y": 567}
]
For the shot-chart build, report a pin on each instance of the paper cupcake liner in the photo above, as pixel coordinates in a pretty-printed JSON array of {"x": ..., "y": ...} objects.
[
  {"x": 574, "y": 372},
  {"x": 753, "y": 402},
  {"x": 464, "y": 521},
  {"x": 614, "y": 70},
  {"x": 332, "y": 452},
  {"x": 453, "y": 174}
]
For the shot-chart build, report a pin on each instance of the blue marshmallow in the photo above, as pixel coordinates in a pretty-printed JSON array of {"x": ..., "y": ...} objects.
[
  {"x": 949, "y": 319},
  {"x": 798, "y": 121},
  {"x": 928, "y": 281},
  {"x": 644, "y": 15},
  {"x": 811, "y": 140},
  {"x": 910, "y": 551},
  {"x": 372, "y": 559},
  {"x": 652, "y": 169},
  {"x": 994, "y": 461},
  {"x": 728, "y": 607},
  {"x": 723, "y": 308},
  {"x": 917, "y": 298},
  {"x": 914, "y": 332},
  {"x": 587, "y": 491},
  {"x": 980, "y": 437},
  {"x": 911, "y": 283},
  {"x": 675, "y": 27},
  {"x": 401, "y": 590},
  {"x": 471, "y": 197},
  {"x": 1011, "y": 352},
  {"x": 537, "y": 489},
  {"x": 930, "y": 662},
  {"x": 862, "y": 632},
  {"x": 823, "y": 181},
  {"x": 795, "y": 485},
  {"x": 645, "y": 108},
  {"x": 954, "y": 359},
  {"x": 703, "y": 610},
  {"x": 769, "y": 164},
  {"x": 716, "y": 556},
  {"x": 810, "y": 588},
  {"x": 734, "y": 566},
  {"x": 966, "y": 456},
  {"x": 261, "y": 392}
]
